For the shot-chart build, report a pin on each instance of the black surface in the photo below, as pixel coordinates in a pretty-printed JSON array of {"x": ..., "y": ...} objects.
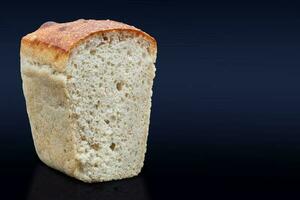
[{"x": 226, "y": 111}]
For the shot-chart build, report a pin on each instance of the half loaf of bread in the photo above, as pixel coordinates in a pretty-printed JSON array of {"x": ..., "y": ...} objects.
[{"x": 88, "y": 88}]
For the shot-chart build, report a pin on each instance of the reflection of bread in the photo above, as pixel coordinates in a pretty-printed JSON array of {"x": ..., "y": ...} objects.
[
  {"x": 46, "y": 184},
  {"x": 87, "y": 86}
]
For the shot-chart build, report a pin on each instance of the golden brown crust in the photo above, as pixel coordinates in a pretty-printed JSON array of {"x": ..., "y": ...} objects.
[{"x": 53, "y": 42}]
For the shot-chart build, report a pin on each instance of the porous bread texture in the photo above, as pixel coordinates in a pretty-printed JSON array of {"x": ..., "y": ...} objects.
[
  {"x": 110, "y": 87},
  {"x": 91, "y": 121}
]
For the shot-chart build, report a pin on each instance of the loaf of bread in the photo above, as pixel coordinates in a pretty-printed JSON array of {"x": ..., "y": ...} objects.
[{"x": 88, "y": 88}]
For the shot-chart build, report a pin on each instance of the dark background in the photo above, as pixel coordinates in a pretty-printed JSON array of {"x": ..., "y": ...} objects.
[{"x": 226, "y": 106}]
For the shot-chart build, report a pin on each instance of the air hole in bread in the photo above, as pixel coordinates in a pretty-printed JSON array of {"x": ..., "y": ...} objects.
[
  {"x": 97, "y": 104},
  {"x": 93, "y": 51},
  {"x": 119, "y": 86},
  {"x": 95, "y": 146},
  {"x": 112, "y": 146},
  {"x": 74, "y": 116},
  {"x": 82, "y": 137}
]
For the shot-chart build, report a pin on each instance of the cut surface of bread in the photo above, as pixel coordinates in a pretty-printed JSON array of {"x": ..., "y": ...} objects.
[{"x": 88, "y": 96}]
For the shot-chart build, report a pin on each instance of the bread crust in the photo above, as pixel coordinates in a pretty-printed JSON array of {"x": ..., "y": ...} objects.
[{"x": 53, "y": 42}]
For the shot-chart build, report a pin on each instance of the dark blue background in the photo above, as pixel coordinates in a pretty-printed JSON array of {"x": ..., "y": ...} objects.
[{"x": 226, "y": 106}]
